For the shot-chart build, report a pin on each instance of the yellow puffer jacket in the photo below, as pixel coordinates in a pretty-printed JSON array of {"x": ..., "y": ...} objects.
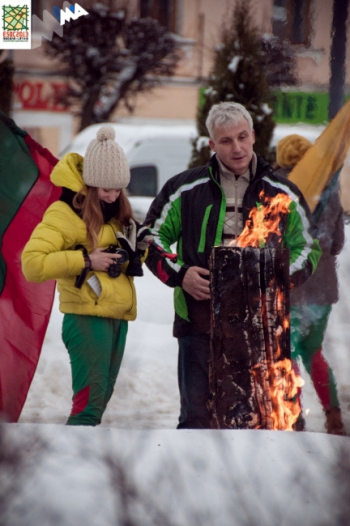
[{"x": 50, "y": 254}]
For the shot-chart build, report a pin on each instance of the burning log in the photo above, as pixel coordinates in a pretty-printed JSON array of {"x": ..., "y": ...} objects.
[{"x": 252, "y": 382}]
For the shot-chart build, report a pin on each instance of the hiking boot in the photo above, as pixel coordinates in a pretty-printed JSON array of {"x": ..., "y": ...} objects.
[{"x": 334, "y": 423}]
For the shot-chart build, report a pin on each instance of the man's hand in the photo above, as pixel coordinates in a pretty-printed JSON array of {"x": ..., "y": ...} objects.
[{"x": 195, "y": 285}]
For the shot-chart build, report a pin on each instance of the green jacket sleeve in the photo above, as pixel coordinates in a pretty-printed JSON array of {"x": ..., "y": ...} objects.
[
  {"x": 164, "y": 217},
  {"x": 300, "y": 238}
]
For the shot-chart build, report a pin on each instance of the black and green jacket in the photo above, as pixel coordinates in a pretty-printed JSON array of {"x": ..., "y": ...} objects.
[{"x": 190, "y": 211}]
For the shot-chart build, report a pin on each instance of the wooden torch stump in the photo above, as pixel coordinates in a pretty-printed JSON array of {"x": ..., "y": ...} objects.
[{"x": 250, "y": 337}]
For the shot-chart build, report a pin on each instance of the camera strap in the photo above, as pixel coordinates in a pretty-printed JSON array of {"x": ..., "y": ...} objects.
[{"x": 82, "y": 276}]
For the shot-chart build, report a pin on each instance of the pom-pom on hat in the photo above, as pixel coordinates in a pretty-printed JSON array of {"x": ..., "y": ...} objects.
[
  {"x": 290, "y": 150},
  {"x": 105, "y": 163}
]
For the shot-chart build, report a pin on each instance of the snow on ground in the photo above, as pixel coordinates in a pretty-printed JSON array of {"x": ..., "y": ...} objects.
[
  {"x": 137, "y": 466},
  {"x": 137, "y": 469},
  {"x": 146, "y": 394},
  {"x": 105, "y": 476}
]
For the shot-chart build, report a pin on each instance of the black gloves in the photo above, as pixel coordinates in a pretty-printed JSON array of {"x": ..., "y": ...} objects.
[{"x": 135, "y": 241}]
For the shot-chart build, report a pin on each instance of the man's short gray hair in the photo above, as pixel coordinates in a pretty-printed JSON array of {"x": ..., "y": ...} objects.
[{"x": 226, "y": 114}]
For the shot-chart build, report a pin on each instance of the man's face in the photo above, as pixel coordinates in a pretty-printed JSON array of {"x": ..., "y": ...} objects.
[{"x": 234, "y": 146}]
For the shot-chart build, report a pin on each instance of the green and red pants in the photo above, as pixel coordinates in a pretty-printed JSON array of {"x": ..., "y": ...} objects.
[
  {"x": 96, "y": 347},
  {"x": 308, "y": 326}
]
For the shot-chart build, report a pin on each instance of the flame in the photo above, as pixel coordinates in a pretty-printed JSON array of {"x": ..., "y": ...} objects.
[
  {"x": 282, "y": 396},
  {"x": 264, "y": 221},
  {"x": 276, "y": 377},
  {"x": 284, "y": 386},
  {"x": 262, "y": 225},
  {"x": 284, "y": 383}
]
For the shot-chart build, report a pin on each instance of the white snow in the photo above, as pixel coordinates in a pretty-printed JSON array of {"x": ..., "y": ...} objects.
[
  {"x": 193, "y": 477},
  {"x": 265, "y": 108},
  {"x": 202, "y": 142},
  {"x": 179, "y": 477},
  {"x": 103, "y": 476},
  {"x": 234, "y": 64},
  {"x": 111, "y": 95},
  {"x": 146, "y": 394},
  {"x": 210, "y": 92}
]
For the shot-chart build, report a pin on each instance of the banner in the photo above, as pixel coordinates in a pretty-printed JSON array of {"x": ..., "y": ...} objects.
[{"x": 25, "y": 194}]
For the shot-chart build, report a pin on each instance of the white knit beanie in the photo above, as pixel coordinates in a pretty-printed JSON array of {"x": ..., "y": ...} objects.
[{"x": 105, "y": 164}]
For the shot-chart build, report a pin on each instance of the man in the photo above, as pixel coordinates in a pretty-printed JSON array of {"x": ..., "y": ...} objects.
[{"x": 205, "y": 207}]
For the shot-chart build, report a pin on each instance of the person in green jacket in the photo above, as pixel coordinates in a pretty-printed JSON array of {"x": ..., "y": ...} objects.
[
  {"x": 209, "y": 206},
  {"x": 76, "y": 245}
]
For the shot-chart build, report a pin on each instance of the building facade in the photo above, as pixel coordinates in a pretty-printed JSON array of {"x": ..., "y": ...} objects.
[{"x": 197, "y": 25}]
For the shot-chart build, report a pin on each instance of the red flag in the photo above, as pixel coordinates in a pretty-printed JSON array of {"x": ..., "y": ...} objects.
[{"x": 25, "y": 194}]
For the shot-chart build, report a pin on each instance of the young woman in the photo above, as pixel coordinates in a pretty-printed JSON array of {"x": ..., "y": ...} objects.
[{"x": 97, "y": 294}]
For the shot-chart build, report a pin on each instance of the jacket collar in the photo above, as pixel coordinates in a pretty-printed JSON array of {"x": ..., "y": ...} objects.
[{"x": 213, "y": 163}]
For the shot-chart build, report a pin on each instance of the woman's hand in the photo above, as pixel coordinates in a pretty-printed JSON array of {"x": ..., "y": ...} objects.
[{"x": 101, "y": 260}]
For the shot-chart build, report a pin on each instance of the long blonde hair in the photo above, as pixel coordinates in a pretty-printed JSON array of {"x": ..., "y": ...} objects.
[{"x": 92, "y": 215}]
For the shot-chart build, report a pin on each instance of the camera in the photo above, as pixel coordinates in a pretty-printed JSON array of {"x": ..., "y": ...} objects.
[{"x": 114, "y": 268}]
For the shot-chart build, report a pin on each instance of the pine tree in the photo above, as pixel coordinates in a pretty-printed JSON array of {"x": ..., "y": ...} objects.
[
  {"x": 279, "y": 61},
  {"x": 109, "y": 58},
  {"x": 242, "y": 72}
]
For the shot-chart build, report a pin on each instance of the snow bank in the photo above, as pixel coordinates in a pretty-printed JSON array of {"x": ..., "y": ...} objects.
[{"x": 95, "y": 476}]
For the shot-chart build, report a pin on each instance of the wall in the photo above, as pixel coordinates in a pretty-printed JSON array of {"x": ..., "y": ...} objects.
[{"x": 198, "y": 26}]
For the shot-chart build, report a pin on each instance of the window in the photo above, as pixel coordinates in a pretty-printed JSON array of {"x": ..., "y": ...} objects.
[
  {"x": 143, "y": 181},
  {"x": 162, "y": 10},
  {"x": 291, "y": 20}
]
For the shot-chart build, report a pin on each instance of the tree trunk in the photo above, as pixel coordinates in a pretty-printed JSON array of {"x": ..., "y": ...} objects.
[
  {"x": 250, "y": 337},
  {"x": 87, "y": 113}
]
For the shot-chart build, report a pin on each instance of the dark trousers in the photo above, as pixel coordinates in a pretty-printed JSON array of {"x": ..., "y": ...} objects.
[{"x": 193, "y": 377}]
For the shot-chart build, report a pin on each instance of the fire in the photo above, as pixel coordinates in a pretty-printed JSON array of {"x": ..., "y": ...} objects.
[
  {"x": 281, "y": 386},
  {"x": 278, "y": 379},
  {"x": 284, "y": 385},
  {"x": 264, "y": 221},
  {"x": 262, "y": 229}
]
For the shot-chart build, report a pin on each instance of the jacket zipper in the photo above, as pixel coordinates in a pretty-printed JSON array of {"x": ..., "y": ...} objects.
[
  {"x": 222, "y": 211},
  {"x": 236, "y": 208}
]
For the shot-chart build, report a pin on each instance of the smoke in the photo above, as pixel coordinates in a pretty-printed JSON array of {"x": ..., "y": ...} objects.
[{"x": 304, "y": 319}]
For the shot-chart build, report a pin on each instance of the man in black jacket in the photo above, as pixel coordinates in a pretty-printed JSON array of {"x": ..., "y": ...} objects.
[{"x": 205, "y": 207}]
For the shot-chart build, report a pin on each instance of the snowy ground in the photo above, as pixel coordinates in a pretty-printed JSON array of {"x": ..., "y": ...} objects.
[
  {"x": 105, "y": 476},
  {"x": 137, "y": 470},
  {"x": 146, "y": 394}
]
